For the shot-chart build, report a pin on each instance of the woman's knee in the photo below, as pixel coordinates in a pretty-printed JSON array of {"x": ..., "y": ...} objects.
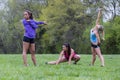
[
  {"x": 24, "y": 53},
  {"x": 32, "y": 51},
  {"x": 25, "y": 50},
  {"x": 94, "y": 55},
  {"x": 77, "y": 57},
  {"x": 63, "y": 60},
  {"x": 100, "y": 56}
]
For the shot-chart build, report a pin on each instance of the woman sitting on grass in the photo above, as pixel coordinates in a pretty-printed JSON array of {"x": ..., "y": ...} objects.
[{"x": 66, "y": 55}]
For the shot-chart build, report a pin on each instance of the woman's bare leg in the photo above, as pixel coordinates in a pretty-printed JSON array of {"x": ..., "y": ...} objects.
[
  {"x": 24, "y": 53},
  {"x": 93, "y": 56},
  {"x": 100, "y": 56},
  {"x": 76, "y": 58},
  {"x": 51, "y": 62},
  {"x": 32, "y": 51},
  {"x": 54, "y": 62}
]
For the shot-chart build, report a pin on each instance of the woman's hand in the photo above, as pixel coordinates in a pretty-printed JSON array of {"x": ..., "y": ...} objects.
[
  {"x": 60, "y": 57},
  {"x": 57, "y": 62},
  {"x": 103, "y": 38},
  {"x": 45, "y": 22},
  {"x": 69, "y": 63},
  {"x": 100, "y": 9},
  {"x": 98, "y": 44}
]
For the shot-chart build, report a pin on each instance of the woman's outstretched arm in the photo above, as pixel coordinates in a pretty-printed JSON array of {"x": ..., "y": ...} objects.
[
  {"x": 60, "y": 57},
  {"x": 98, "y": 17}
]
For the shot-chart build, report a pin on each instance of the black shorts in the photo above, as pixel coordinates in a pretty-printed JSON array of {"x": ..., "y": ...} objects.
[
  {"x": 95, "y": 46},
  {"x": 29, "y": 40}
]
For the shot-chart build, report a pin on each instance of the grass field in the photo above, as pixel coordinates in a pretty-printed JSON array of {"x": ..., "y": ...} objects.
[{"x": 11, "y": 68}]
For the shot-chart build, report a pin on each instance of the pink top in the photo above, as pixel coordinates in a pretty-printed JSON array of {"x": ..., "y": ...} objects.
[{"x": 67, "y": 56}]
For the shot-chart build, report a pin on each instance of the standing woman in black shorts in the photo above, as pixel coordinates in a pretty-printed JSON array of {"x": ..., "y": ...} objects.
[
  {"x": 30, "y": 26},
  {"x": 95, "y": 41}
]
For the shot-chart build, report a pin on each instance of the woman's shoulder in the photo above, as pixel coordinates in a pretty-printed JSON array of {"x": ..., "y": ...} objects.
[
  {"x": 93, "y": 30},
  {"x": 24, "y": 20},
  {"x": 62, "y": 52},
  {"x": 33, "y": 20},
  {"x": 72, "y": 50}
]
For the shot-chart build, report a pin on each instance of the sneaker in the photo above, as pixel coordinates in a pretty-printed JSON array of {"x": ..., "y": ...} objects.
[
  {"x": 102, "y": 65},
  {"x": 46, "y": 62},
  {"x": 74, "y": 62},
  {"x": 91, "y": 65}
]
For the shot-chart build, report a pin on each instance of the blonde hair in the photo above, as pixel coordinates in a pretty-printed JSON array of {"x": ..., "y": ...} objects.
[
  {"x": 101, "y": 31},
  {"x": 100, "y": 28}
]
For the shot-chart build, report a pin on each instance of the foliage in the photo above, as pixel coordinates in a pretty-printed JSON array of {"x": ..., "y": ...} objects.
[
  {"x": 68, "y": 21},
  {"x": 11, "y": 27},
  {"x": 112, "y": 43}
]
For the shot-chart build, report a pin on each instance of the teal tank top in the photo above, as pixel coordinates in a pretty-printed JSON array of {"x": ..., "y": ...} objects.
[{"x": 93, "y": 37}]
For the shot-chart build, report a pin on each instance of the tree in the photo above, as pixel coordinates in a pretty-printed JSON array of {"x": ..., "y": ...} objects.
[
  {"x": 11, "y": 27},
  {"x": 112, "y": 9},
  {"x": 66, "y": 23},
  {"x": 112, "y": 43}
]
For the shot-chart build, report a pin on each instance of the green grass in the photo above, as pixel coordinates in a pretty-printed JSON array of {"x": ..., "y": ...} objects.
[{"x": 11, "y": 68}]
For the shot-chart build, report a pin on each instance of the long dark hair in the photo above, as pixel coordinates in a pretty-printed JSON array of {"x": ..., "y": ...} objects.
[
  {"x": 29, "y": 13},
  {"x": 69, "y": 48}
]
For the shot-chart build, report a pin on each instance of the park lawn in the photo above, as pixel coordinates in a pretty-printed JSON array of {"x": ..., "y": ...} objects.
[{"x": 11, "y": 68}]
